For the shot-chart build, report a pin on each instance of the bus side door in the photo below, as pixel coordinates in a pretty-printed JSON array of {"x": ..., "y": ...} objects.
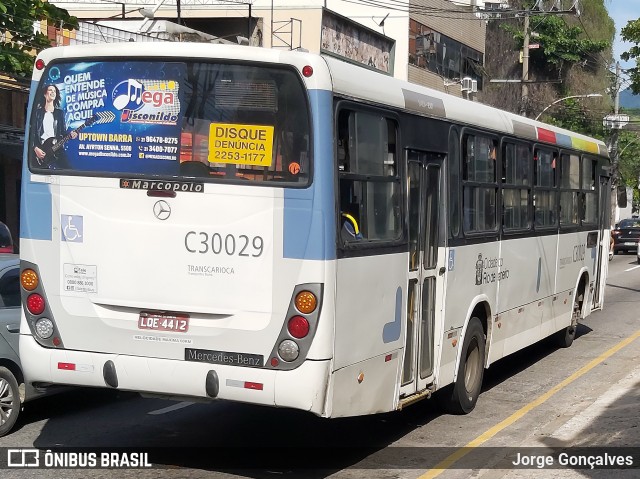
[{"x": 425, "y": 270}]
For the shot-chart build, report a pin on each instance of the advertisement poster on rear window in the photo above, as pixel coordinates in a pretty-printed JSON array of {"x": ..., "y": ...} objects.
[{"x": 101, "y": 116}]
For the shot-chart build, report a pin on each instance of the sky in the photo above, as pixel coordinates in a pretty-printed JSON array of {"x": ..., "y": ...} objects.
[{"x": 622, "y": 11}]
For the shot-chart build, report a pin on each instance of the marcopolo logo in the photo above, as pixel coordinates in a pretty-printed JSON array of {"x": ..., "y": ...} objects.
[{"x": 186, "y": 186}]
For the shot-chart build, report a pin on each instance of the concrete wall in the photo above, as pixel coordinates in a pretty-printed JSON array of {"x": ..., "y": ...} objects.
[
  {"x": 463, "y": 26},
  {"x": 299, "y": 22}
]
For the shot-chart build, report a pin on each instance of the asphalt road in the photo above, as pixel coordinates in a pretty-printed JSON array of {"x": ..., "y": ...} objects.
[{"x": 535, "y": 402}]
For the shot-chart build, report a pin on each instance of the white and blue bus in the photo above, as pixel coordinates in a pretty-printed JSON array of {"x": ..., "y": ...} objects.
[{"x": 286, "y": 229}]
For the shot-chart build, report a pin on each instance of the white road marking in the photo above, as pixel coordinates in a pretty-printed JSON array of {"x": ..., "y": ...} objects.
[
  {"x": 632, "y": 268},
  {"x": 175, "y": 407}
]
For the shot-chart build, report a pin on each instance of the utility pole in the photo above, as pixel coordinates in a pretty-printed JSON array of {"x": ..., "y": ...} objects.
[
  {"x": 617, "y": 99},
  {"x": 616, "y": 122},
  {"x": 615, "y": 128},
  {"x": 526, "y": 47},
  {"x": 525, "y": 67}
]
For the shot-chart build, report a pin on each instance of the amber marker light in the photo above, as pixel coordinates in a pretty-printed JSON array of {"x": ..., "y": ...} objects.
[
  {"x": 29, "y": 279},
  {"x": 306, "y": 302}
]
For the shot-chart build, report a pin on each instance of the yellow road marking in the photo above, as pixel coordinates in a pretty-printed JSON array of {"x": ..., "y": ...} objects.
[{"x": 484, "y": 437}]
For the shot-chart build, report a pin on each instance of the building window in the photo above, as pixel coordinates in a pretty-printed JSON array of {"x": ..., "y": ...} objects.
[{"x": 440, "y": 54}]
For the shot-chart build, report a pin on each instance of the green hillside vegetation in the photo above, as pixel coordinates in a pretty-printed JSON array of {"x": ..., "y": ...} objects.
[{"x": 573, "y": 58}]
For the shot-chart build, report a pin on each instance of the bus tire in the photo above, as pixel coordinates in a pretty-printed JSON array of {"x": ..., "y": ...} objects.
[
  {"x": 9, "y": 401},
  {"x": 564, "y": 338},
  {"x": 461, "y": 397}
]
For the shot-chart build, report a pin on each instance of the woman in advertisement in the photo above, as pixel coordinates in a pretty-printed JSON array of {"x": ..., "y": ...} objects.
[{"x": 49, "y": 132}]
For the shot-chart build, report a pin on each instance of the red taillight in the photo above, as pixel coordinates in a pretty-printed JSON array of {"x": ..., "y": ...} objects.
[
  {"x": 67, "y": 366},
  {"x": 35, "y": 303},
  {"x": 298, "y": 327},
  {"x": 39, "y": 64},
  {"x": 307, "y": 70}
]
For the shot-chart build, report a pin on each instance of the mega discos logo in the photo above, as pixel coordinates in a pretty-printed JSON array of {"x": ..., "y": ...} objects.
[{"x": 147, "y": 101}]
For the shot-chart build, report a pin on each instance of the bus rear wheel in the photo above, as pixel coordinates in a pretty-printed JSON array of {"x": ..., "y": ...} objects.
[
  {"x": 564, "y": 338},
  {"x": 461, "y": 397}
]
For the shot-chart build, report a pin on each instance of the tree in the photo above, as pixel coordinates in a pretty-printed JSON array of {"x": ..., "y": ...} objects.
[
  {"x": 631, "y": 33},
  {"x": 561, "y": 45},
  {"x": 629, "y": 150},
  {"x": 19, "y": 43},
  {"x": 573, "y": 56}
]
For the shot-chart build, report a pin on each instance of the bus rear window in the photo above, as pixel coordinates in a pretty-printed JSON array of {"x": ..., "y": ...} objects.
[{"x": 211, "y": 121}]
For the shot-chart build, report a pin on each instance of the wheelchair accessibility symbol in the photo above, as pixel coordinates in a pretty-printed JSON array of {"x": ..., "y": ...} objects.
[{"x": 71, "y": 227}]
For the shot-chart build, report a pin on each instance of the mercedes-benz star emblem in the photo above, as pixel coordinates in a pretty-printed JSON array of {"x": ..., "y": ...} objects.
[{"x": 162, "y": 210}]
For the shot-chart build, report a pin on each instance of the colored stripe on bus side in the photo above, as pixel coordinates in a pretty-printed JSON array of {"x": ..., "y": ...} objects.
[
  {"x": 585, "y": 145},
  {"x": 566, "y": 140},
  {"x": 309, "y": 226},
  {"x": 546, "y": 135},
  {"x": 563, "y": 140}
]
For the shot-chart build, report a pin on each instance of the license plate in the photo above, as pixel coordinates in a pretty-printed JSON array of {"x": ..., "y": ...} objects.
[
  {"x": 178, "y": 323},
  {"x": 630, "y": 243}
]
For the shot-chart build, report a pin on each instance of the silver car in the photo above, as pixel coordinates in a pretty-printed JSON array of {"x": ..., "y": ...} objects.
[
  {"x": 10, "y": 371},
  {"x": 12, "y": 388}
]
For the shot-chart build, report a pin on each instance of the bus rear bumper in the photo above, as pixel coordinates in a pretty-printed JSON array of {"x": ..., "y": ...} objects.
[{"x": 302, "y": 388}]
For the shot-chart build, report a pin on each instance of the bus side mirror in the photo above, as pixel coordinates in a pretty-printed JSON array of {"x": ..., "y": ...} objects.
[{"x": 621, "y": 193}]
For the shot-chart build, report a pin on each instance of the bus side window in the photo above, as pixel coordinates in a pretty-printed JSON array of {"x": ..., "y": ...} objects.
[
  {"x": 343, "y": 153},
  {"x": 369, "y": 185}
]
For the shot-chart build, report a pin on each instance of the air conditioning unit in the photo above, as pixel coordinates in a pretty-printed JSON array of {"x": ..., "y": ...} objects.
[
  {"x": 466, "y": 85},
  {"x": 474, "y": 86}
]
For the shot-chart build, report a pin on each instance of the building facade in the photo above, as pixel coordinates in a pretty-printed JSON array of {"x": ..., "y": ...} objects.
[
  {"x": 14, "y": 94},
  {"x": 435, "y": 43}
]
